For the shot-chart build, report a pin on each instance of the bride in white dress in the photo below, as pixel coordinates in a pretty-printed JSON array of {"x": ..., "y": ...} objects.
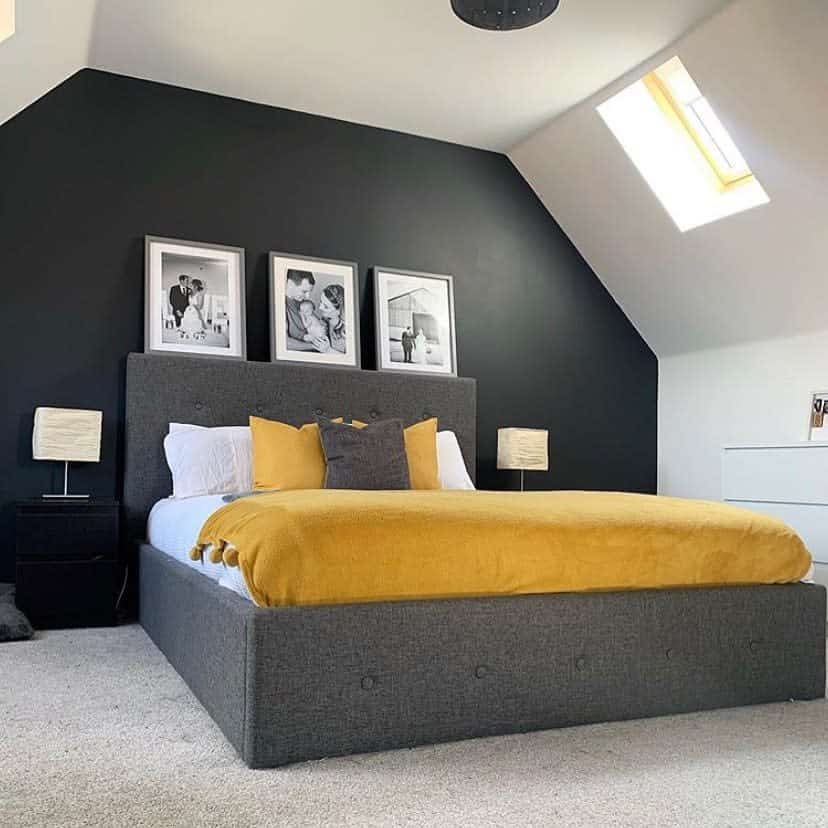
[
  {"x": 193, "y": 320},
  {"x": 419, "y": 355}
]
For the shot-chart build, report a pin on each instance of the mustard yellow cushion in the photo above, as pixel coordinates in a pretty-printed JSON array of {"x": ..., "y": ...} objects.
[
  {"x": 286, "y": 457},
  {"x": 421, "y": 451}
]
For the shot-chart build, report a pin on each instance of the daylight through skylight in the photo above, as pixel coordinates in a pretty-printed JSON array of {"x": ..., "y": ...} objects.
[
  {"x": 6, "y": 19},
  {"x": 678, "y": 143}
]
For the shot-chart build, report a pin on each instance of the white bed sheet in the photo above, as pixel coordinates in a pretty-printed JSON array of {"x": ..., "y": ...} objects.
[{"x": 173, "y": 526}]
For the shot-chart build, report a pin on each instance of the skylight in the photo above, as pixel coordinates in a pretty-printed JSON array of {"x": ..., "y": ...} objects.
[
  {"x": 674, "y": 137},
  {"x": 6, "y": 19}
]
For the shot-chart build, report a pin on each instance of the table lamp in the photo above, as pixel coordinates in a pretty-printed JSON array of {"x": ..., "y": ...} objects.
[
  {"x": 70, "y": 435},
  {"x": 525, "y": 449}
]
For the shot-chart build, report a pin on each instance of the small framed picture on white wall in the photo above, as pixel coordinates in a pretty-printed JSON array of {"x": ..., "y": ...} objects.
[{"x": 819, "y": 417}]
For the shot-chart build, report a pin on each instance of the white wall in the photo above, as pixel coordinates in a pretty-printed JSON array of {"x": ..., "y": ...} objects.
[{"x": 759, "y": 392}]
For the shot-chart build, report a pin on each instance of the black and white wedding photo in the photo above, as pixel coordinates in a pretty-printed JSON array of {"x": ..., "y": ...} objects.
[
  {"x": 415, "y": 322},
  {"x": 313, "y": 307},
  {"x": 194, "y": 298}
]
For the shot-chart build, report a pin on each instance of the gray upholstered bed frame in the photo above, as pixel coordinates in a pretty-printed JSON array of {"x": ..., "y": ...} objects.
[{"x": 297, "y": 683}]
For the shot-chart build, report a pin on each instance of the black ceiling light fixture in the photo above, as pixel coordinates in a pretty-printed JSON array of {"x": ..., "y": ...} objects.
[{"x": 503, "y": 15}]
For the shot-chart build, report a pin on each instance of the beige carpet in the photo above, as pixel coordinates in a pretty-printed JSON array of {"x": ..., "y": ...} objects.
[{"x": 96, "y": 729}]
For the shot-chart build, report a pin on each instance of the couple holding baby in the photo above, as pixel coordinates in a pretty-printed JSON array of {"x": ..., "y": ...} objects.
[{"x": 311, "y": 328}]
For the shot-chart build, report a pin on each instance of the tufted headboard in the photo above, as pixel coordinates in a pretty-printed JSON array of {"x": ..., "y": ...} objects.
[{"x": 211, "y": 392}]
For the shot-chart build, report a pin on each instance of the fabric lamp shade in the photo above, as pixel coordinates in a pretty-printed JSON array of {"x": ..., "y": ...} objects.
[
  {"x": 526, "y": 449},
  {"x": 67, "y": 434}
]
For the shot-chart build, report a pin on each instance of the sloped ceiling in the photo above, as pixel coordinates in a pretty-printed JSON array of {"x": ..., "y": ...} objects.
[
  {"x": 409, "y": 66},
  {"x": 50, "y": 43},
  {"x": 759, "y": 275}
]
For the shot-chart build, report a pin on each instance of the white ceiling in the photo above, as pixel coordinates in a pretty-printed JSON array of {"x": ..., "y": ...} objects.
[
  {"x": 409, "y": 66},
  {"x": 758, "y": 275},
  {"x": 50, "y": 43}
]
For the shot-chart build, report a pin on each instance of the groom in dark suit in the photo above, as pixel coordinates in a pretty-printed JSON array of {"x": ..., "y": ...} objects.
[
  {"x": 180, "y": 298},
  {"x": 407, "y": 344}
]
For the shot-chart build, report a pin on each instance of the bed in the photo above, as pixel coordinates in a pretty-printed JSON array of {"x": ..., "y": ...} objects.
[{"x": 295, "y": 683}]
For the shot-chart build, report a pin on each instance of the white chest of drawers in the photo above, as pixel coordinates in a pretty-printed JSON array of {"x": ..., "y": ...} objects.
[{"x": 787, "y": 481}]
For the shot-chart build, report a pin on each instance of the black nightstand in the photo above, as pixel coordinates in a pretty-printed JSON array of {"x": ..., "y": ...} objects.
[{"x": 68, "y": 562}]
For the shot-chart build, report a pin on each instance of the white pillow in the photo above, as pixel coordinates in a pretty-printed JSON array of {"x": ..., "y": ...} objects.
[
  {"x": 450, "y": 464},
  {"x": 206, "y": 461}
]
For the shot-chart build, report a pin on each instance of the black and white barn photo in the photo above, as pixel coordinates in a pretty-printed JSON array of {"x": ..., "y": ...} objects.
[
  {"x": 314, "y": 314},
  {"x": 415, "y": 322},
  {"x": 194, "y": 298}
]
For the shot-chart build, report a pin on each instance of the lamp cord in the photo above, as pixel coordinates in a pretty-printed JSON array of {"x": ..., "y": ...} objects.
[{"x": 123, "y": 588}]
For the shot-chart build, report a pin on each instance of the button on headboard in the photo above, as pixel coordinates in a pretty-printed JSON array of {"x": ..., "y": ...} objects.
[{"x": 213, "y": 392}]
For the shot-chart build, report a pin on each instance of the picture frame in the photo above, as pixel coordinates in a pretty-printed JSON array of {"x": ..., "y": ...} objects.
[
  {"x": 194, "y": 299},
  {"x": 314, "y": 310},
  {"x": 818, "y": 417},
  {"x": 415, "y": 325}
]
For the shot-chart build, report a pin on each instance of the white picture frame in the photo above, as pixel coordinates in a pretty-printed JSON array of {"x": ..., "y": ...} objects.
[
  {"x": 323, "y": 310},
  {"x": 194, "y": 299},
  {"x": 818, "y": 417},
  {"x": 409, "y": 304}
]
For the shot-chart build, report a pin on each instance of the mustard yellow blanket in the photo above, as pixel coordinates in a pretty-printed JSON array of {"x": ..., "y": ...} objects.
[{"x": 336, "y": 547}]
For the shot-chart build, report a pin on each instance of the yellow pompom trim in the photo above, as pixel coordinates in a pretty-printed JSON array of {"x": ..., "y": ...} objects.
[
  {"x": 217, "y": 552},
  {"x": 197, "y": 552}
]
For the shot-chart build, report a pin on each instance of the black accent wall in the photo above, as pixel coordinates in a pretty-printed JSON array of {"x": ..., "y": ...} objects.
[{"x": 103, "y": 160}]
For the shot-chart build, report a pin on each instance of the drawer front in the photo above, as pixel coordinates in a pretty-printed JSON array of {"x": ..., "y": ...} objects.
[
  {"x": 75, "y": 594},
  {"x": 67, "y": 535},
  {"x": 810, "y": 523},
  {"x": 795, "y": 474}
]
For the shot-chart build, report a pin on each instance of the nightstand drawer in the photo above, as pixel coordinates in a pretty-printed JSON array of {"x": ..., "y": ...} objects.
[
  {"x": 61, "y": 531},
  {"x": 66, "y": 537},
  {"x": 74, "y": 594}
]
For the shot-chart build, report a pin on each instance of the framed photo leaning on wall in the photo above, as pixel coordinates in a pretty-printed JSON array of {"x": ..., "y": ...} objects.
[
  {"x": 819, "y": 416},
  {"x": 314, "y": 311},
  {"x": 194, "y": 299},
  {"x": 415, "y": 322}
]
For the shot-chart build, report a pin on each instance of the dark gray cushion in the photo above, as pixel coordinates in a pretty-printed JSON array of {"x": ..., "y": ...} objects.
[
  {"x": 14, "y": 626},
  {"x": 365, "y": 458}
]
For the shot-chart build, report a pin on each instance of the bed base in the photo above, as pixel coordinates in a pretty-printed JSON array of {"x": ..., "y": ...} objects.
[{"x": 290, "y": 684}]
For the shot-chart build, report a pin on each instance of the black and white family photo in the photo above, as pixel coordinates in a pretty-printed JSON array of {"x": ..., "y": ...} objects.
[
  {"x": 195, "y": 298},
  {"x": 313, "y": 315},
  {"x": 415, "y": 322}
]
